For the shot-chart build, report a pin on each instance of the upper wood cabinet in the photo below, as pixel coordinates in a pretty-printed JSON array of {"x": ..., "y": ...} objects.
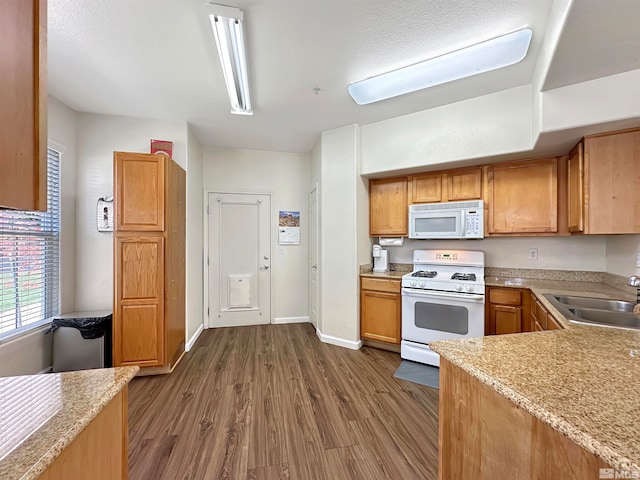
[
  {"x": 388, "y": 208},
  {"x": 446, "y": 186},
  {"x": 23, "y": 94},
  {"x": 464, "y": 184},
  {"x": 604, "y": 186},
  {"x": 575, "y": 186},
  {"x": 140, "y": 187},
  {"x": 523, "y": 197}
]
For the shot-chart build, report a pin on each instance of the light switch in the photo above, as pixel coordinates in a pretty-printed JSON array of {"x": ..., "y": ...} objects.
[{"x": 282, "y": 250}]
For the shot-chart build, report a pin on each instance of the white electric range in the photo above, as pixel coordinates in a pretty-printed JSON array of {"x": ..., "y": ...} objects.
[{"x": 442, "y": 299}]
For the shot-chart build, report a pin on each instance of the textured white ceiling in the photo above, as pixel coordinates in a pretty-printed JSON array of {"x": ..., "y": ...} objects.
[
  {"x": 156, "y": 59},
  {"x": 600, "y": 38}
]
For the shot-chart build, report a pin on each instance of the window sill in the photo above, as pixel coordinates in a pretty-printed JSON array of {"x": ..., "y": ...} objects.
[{"x": 26, "y": 330}]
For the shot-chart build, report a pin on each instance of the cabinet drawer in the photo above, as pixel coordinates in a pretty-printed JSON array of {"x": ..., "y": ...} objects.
[
  {"x": 381, "y": 284},
  {"x": 553, "y": 324},
  {"x": 505, "y": 296}
]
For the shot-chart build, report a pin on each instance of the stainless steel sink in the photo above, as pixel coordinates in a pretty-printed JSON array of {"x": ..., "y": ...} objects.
[
  {"x": 599, "y": 303},
  {"x": 596, "y": 311},
  {"x": 606, "y": 317}
]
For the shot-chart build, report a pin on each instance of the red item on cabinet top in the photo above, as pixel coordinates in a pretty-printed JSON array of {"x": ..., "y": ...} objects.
[{"x": 162, "y": 146}]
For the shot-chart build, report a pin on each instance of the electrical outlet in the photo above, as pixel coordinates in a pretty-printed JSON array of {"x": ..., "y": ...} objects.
[
  {"x": 638, "y": 260},
  {"x": 533, "y": 254}
]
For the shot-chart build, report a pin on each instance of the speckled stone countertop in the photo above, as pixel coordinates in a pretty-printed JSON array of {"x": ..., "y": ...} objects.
[
  {"x": 40, "y": 415},
  {"x": 397, "y": 275},
  {"x": 582, "y": 381}
]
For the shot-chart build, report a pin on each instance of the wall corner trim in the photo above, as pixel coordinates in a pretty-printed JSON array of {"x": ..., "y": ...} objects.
[
  {"x": 281, "y": 320},
  {"x": 340, "y": 342},
  {"x": 189, "y": 345}
]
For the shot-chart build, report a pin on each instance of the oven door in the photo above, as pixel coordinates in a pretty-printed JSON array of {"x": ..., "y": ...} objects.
[
  {"x": 438, "y": 224},
  {"x": 429, "y": 315}
]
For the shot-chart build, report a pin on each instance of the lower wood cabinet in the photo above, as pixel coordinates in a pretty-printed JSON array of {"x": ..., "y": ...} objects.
[
  {"x": 100, "y": 451},
  {"x": 541, "y": 319},
  {"x": 507, "y": 311},
  {"x": 380, "y": 309},
  {"x": 485, "y": 436}
]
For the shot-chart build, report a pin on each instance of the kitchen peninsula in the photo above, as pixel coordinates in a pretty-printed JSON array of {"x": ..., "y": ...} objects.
[
  {"x": 552, "y": 404},
  {"x": 70, "y": 425}
]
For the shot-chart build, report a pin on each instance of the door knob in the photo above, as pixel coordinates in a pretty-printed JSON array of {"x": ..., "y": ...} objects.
[
  {"x": 266, "y": 257},
  {"x": 266, "y": 267},
  {"x": 314, "y": 266}
]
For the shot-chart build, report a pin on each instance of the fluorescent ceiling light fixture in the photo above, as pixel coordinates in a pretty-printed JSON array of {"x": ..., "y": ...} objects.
[
  {"x": 482, "y": 57},
  {"x": 226, "y": 25}
]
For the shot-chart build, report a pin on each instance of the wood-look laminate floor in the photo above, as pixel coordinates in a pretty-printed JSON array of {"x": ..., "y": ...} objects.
[{"x": 273, "y": 402}]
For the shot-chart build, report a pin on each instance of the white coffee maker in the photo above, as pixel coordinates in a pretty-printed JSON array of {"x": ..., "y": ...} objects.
[{"x": 380, "y": 259}]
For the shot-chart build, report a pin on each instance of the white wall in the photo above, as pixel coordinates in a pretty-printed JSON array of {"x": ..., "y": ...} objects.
[
  {"x": 194, "y": 258},
  {"x": 286, "y": 176},
  {"x": 599, "y": 101},
  {"x": 584, "y": 253},
  {"x": 485, "y": 126},
  {"x": 98, "y": 137},
  {"x": 622, "y": 251},
  {"x": 32, "y": 353},
  {"x": 339, "y": 220}
]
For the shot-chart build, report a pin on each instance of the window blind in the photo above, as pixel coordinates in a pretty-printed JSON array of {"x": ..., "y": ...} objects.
[{"x": 30, "y": 260}]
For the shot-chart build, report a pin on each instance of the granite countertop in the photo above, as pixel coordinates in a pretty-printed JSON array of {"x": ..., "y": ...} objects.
[
  {"x": 40, "y": 415},
  {"x": 394, "y": 275},
  {"x": 582, "y": 381}
]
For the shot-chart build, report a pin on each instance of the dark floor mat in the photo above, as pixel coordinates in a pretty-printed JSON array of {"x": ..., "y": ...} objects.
[{"x": 418, "y": 373}]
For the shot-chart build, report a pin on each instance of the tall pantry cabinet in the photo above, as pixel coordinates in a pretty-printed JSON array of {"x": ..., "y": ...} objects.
[{"x": 149, "y": 261}]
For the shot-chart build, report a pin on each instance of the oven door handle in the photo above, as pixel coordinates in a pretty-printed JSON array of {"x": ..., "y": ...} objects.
[{"x": 423, "y": 293}]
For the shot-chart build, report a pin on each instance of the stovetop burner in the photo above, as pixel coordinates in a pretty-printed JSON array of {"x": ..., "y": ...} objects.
[
  {"x": 424, "y": 274},
  {"x": 470, "y": 277}
]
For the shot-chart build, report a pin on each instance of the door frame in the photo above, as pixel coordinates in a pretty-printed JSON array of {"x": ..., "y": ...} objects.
[
  {"x": 205, "y": 250},
  {"x": 315, "y": 242}
]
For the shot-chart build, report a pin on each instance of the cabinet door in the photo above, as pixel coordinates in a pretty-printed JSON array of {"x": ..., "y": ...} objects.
[
  {"x": 380, "y": 316},
  {"x": 612, "y": 183},
  {"x": 138, "y": 331},
  {"x": 523, "y": 197},
  {"x": 426, "y": 188},
  {"x": 541, "y": 315},
  {"x": 464, "y": 185},
  {"x": 388, "y": 208},
  {"x": 507, "y": 319},
  {"x": 139, "y": 181},
  {"x": 23, "y": 96},
  {"x": 575, "y": 174}
]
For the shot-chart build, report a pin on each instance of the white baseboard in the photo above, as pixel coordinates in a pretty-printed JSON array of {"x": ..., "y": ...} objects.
[
  {"x": 189, "y": 345},
  {"x": 281, "y": 320},
  {"x": 340, "y": 342}
]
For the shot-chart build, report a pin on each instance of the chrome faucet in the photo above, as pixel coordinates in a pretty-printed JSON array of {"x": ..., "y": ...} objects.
[{"x": 634, "y": 281}]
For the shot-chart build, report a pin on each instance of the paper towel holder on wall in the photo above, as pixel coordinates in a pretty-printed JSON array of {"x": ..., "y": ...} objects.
[
  {"x": 104, "y": 214},
  {"x": 391, "y": 241}
]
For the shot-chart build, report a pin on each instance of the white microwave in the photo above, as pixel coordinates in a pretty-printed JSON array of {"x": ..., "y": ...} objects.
[{"x": 447, "y": 220}]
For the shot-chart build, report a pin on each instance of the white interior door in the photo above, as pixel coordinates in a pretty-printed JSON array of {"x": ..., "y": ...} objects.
[
  {"x": 239, "y": 259},
  {"x": 313, "y": 256}
]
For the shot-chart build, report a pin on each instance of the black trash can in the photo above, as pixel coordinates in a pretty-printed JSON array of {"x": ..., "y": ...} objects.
[{"x": 81, "y": 341}]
